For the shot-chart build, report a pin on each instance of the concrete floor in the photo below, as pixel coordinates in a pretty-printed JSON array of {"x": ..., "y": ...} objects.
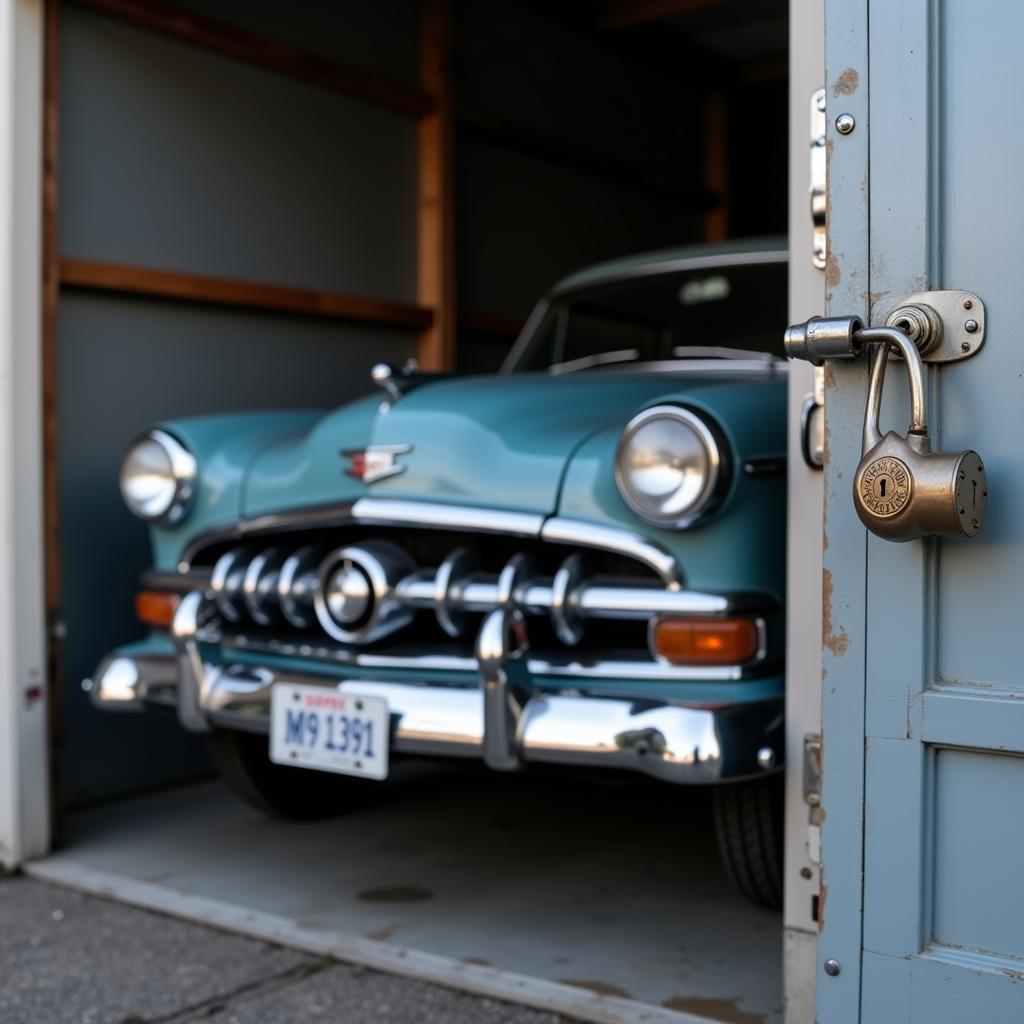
[{"x": 610, "y": 887}]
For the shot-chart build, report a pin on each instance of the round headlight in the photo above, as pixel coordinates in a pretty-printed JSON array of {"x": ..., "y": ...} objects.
[
  {"x": 158, "y": 478},
  {"x": 669, "y": 466}
]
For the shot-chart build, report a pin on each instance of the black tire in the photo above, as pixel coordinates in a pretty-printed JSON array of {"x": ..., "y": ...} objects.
[
  {"x": 749, "y": 829},
  {"x": 296, "y": 794}
]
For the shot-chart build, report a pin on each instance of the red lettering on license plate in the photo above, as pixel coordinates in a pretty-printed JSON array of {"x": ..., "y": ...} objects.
[{"x": 326, "y": 700}]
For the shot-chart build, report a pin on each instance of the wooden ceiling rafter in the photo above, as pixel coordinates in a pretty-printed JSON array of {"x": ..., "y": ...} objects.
[{"x": 268, "y": 53}]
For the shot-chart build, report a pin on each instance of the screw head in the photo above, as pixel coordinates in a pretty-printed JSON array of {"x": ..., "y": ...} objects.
[
  {"x": 965, "y": 346},
  {"x": 971, "y": 326},
  {"x": 832, "y": 968},
  {"x": 845, "y": 124},
  {"x": 968, "y": 304},
  {"x": 766, "y": 758}
]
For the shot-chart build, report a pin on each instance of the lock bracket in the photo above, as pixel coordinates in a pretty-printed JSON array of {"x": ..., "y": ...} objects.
[{"x": 946, "y": 326}]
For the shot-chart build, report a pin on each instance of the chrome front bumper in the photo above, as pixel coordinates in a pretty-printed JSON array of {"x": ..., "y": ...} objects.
[{"x": 505, "y": 720}]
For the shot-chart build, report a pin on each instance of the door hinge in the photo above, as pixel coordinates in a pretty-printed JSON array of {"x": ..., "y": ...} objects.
[{"x": 819, "y": 180}]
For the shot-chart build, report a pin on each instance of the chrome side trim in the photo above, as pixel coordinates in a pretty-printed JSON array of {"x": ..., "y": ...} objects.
[
  {"x": 626, "y": 668},
  {"x": 394, "y": 512},
  {"x": 591, "y": 666},
  {"x": 563, "y": 530},
  {"x": 672, "y": 741}
]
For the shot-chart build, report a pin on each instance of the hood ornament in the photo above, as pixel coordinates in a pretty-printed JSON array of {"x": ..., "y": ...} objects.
[
  {"x": 394, "y": 382},
  {"x": 375, "y": 461}
]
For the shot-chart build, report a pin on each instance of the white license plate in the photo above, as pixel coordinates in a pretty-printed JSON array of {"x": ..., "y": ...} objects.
[{"x": 315, "y": 727}]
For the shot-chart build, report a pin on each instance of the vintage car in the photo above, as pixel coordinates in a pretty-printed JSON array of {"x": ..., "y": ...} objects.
[{"x": 577, "y": 561}]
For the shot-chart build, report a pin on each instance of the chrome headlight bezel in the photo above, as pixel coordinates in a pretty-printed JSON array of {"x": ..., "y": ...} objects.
[
  {"x": 182, "y": 471},
  {"x": 711, "y": 442}
]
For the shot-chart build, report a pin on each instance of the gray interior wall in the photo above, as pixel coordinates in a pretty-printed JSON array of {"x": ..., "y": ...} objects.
[
  {"x": 176, "y": 158},
  {"x": 179, "y": 158},
  {"x": 533, "y": 208}
]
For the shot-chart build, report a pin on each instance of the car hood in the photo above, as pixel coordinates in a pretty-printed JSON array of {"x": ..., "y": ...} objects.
[{"x": 499, "y": 441}]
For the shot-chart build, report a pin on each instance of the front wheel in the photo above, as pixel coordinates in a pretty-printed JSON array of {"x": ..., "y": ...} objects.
[
  {"x": 298, "y": 794},
  {"x": 749, "y": 829}
]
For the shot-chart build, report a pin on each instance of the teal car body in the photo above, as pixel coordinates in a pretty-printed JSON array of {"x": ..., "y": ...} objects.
[{"x": 500, "y": 570}]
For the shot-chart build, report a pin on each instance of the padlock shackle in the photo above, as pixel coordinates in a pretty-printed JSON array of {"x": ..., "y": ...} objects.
[{"x": 886, "y": 338}]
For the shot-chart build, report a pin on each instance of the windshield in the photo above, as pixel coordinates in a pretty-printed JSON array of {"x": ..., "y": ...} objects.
[{"x": 724, "y": 312}]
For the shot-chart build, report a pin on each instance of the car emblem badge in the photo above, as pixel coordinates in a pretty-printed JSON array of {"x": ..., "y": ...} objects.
[{"x": 375, "y": 461}]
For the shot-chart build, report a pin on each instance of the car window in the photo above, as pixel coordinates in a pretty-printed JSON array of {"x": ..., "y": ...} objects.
[{"x": 720, "y": 312}]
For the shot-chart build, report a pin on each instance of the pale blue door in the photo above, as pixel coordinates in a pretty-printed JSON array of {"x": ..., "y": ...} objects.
[{"x": 922, "y": 902}]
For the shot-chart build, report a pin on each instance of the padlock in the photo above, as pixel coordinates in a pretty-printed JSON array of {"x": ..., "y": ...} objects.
[{"x": 902, "y": 489}]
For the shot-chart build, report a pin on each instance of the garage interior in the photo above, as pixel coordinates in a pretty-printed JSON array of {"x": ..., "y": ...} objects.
[{"x": 247, "y": 205}]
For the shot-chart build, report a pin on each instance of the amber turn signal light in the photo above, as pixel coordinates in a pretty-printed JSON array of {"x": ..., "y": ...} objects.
[
  {"x": 705, "y": 641},
  {"x": 156, "y": 608}
]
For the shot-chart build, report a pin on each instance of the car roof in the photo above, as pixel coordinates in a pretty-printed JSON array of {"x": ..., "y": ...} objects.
[{"x": 773, "y": 249}]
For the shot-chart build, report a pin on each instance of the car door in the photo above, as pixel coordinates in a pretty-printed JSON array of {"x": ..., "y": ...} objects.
[{"x": 921, "y": 908}]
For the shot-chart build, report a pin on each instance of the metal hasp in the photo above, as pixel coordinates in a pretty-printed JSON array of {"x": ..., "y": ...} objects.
[
  {"x": 819, "y": 182},
  {"x": 902, "y": 489},
  {"x": 946, "y": 326}
]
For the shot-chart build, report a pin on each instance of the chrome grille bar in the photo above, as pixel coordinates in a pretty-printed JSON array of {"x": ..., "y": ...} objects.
[{"x": 370, "y": 588}]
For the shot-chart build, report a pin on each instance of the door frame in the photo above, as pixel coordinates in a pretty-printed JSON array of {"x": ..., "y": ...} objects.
[
  {"x": 805, "y": 500},
  {"x": 24, "y": 725}
]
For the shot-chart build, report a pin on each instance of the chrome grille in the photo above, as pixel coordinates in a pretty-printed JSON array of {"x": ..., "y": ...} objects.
[
  {"x": 408, "y": 581},
  {"x": 282, "y": 587}
]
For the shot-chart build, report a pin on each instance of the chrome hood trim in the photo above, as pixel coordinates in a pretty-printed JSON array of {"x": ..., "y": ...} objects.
[{"x": 439, "y": 515}]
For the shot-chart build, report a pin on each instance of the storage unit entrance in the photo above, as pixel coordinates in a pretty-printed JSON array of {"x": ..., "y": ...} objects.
[{"x": 253, "y": 206}]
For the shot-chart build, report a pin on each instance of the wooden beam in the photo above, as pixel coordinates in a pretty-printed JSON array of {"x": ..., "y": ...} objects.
[
  {"x": 220, "y": 291},
  {"x": 716, "y": 166},
  {"x": 630, "y": 13},
  {"x": 265, "y": 52},
  {"x": 436, "y": 191}
]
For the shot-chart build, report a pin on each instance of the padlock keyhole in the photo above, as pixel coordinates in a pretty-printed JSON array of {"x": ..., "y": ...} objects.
[{"x": 881, "y": 485}]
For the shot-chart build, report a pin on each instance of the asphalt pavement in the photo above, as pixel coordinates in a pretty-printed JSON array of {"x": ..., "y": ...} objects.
[{"x": 68, "y": 958}]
